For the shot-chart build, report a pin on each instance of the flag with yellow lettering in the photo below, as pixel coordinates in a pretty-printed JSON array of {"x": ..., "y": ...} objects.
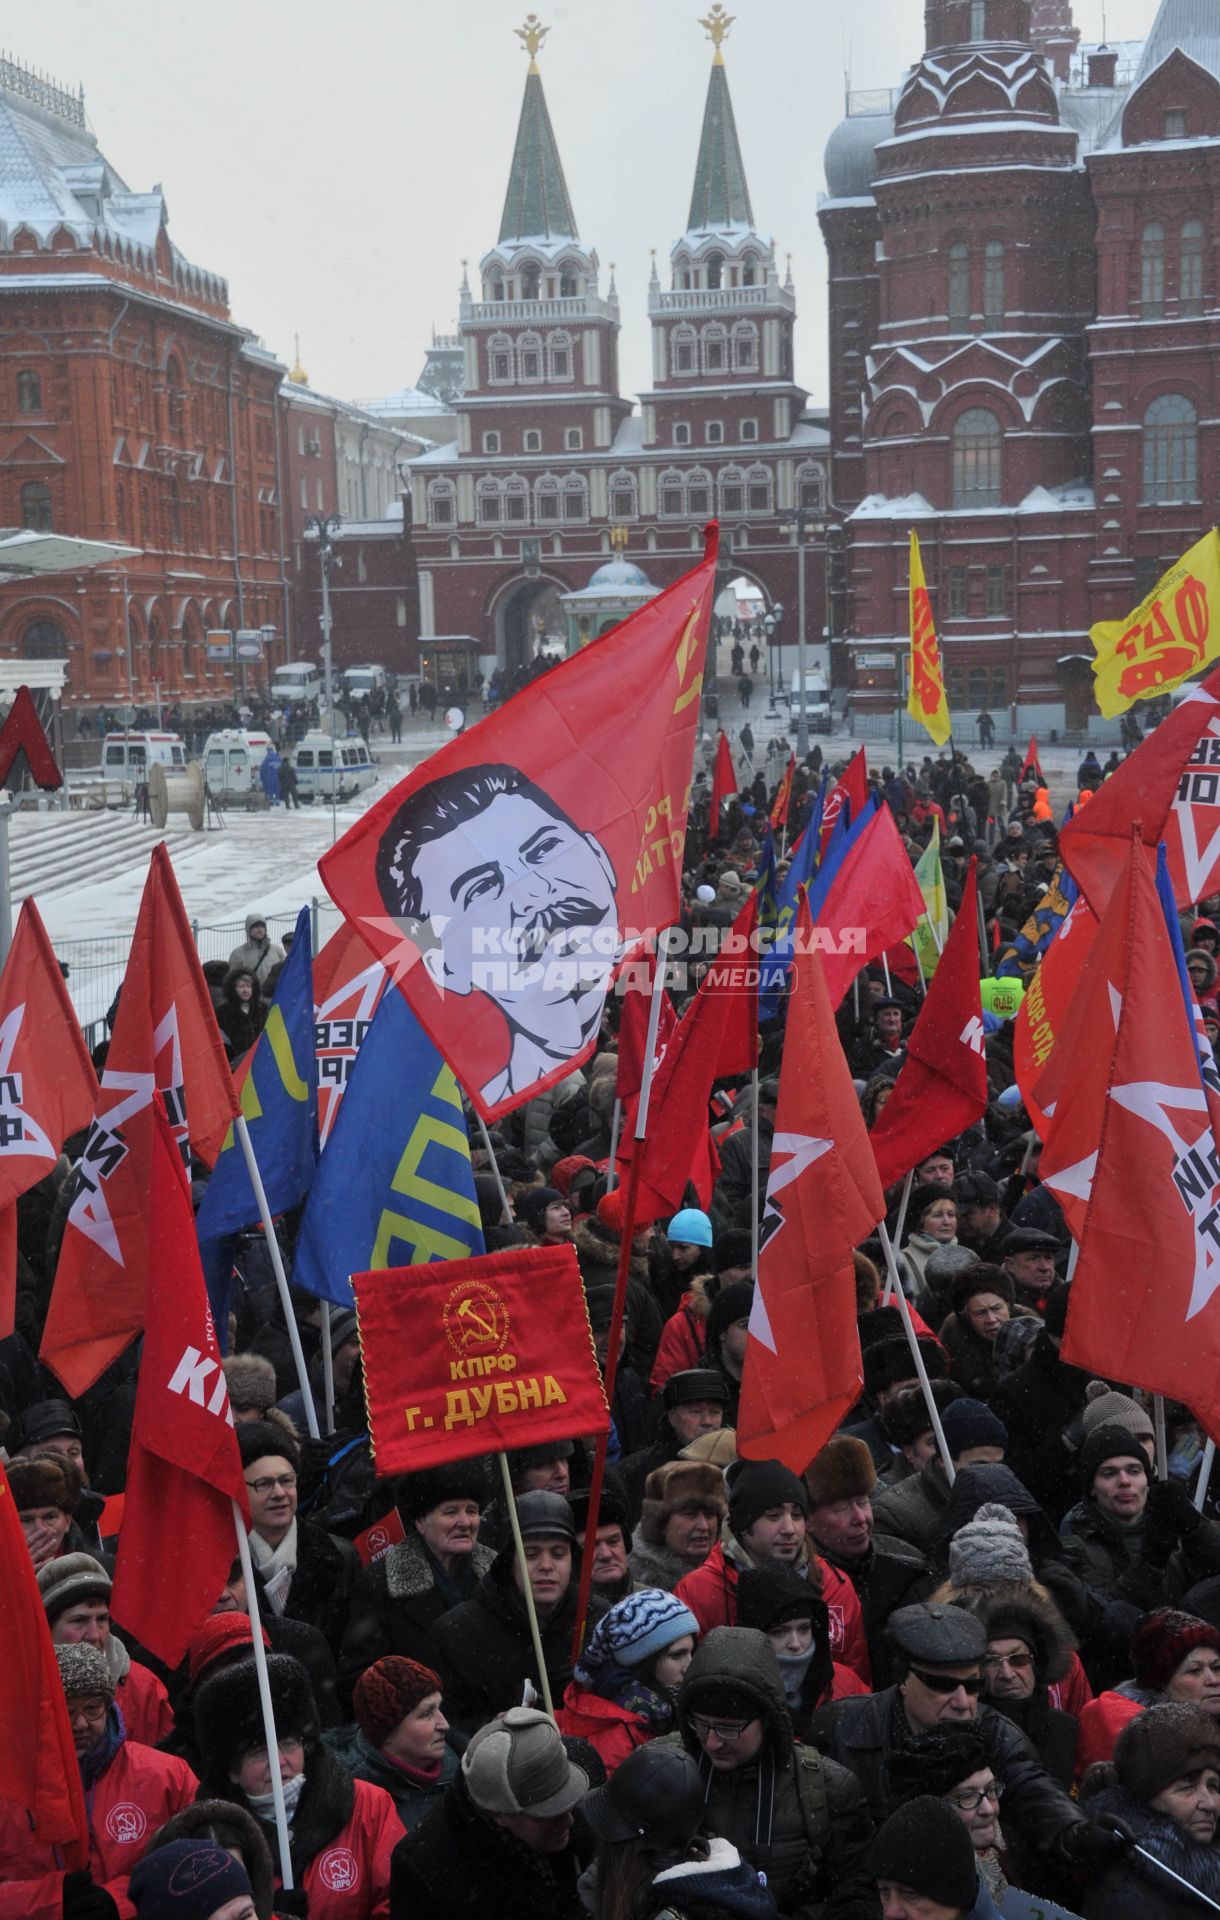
[
  {"x": 394, "y": 1186},
  {"x": 279, "y": 1098},
  {"x": 927, "y": 702},
  {"x": 1172, "y": 632}
]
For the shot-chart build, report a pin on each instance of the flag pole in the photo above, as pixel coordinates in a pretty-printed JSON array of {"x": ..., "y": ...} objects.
[
  {"x": 615, "y": 1125},
  {"x": 1158, "y": 1425},
  {"x": 281, "y": 1278},
  {"x": 506, "y": 1212},
  {"x": 754, "y": 1174},
  {"x": 1205, "y": 1473},
  {"x": 885, "y": 968},
  {"x": 264, "y": 1694},
  {"x": 527, "y": 1592},
  {"x": 630, "y": 1196},
  {"x": 899, "y": 1224},
  {"x": 328, "y": 1370},
  {"x": 916, "y": 1354}
]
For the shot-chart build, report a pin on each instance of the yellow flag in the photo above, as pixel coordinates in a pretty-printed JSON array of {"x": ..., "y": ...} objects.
[
  {"x": 926, "y": 701},
  {"x": 1168, "y": 637}
]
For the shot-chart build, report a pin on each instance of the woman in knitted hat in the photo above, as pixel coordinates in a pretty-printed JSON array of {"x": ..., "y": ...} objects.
[
  {"x": 435, "y": 1566},
  {"x": 952, "y": 1762},
  {"x": 399, "y": 1738},
  {"x": 625, "y": 1683},
  {"x": 341, "y": 1831},
  {"x": 922, "y": 1863},
  {"x": 75, "y": 1591},
  {"x": 221, "y": 1824},
  {"x": 1174, "y": 1657},
  {"x": 191, "y": 1880},
  {"x": 1164, "y": 1785}
]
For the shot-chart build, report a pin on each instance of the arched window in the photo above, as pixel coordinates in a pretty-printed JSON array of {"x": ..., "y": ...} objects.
[
  {"x": 575, "y": 495},
  {"x": 500, "y": 360},
  {"x": 995, "y": 303},
  {"x": 489, "y": 504},
  {"x": 760, "y": 490},
  {"x": 546, "y": 498},
  {"x": 749, "y": 270},
  {"x": 1152, "y": 271},
  {"x": 497, "y": 289},
  {"x": 732, "y": 490},
  {"x": 624, "y": 495},
  {"x": 1171, "y": 450},
  {"x": 671, "y": 494},
  {"x": 959, "y": 283},
  {"x": 530, "y": 280},
  {"x": 569, "y": 282},
  {"x": 516, "y": 499},
  {"x": 529, "y": 356},
  {"x": 811, "y": 487},
  {"x": 36, "y": 506},
  {"x": 531, "y": 440},
  {"x": 715, "y": 350},
  {"x": 29, "y": 393},
  {"x": 698, "y": 493},
  {"x": 745, "y": 347},
  {"x": 559, "y": 355},
  {"x": 682, "y": 341},
  {"x": 977, "y": 447},
  {"x": 715, "y": 271},
  {"x": 1190, "y": 278},
  {"x": 44, "y": 640}
]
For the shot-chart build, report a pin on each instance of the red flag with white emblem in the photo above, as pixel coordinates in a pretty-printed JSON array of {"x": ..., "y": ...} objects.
[
  {"x": 1130, "y": 1153},
  {"x": 852, "y": 787},
  {"x": 348, "y": 982},
  {"x": 941, "y": 1087},
  {"x": 1171, "y": 786},
  {"x": 503, "y": 880},
  {"x": 183, "y": 1458},
  {"x": 48, "y": 1089},
  {"x": 802, "y": 1369},
  {"x": 165, "y": 1043}
]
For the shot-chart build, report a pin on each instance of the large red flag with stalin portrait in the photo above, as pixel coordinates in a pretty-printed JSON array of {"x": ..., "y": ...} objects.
[{"x": 505, "y": 878}]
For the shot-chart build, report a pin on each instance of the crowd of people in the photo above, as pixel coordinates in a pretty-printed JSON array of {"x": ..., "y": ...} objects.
[{"x": 889, "y": 1687}]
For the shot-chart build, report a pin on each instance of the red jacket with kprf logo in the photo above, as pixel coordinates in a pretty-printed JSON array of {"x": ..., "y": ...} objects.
[
  {"x": 711, "y": 1594},
  {"x": 349, "y": 1878}
]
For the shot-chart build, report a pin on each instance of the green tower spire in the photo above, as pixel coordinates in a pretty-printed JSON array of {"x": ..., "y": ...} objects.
[
  {"x": 537, "y": 200},
  {"x": 721, "y": 197}
]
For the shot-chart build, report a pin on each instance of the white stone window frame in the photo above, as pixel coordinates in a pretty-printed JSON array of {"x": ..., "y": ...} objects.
[
  {"x": 745, "y": 333},
  {"x": 531, "y": 343},
  {"x": 498, "y": 344},
  {"x": 442, "y": 490},
  {"x": 559, "y": 340},
  {"x": 623, "y": 480}
]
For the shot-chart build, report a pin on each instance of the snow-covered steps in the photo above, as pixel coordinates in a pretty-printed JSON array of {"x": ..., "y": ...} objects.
[{"x": 52, "y": 853}]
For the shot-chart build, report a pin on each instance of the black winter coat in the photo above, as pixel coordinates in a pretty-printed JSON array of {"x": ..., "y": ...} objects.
[
  {"x": 1038, "y": 1404},
  {"x": 322, "y": 1581},
  {"x": 862, "y": 1734},
  {"x": 1134, "y": 1888},
  {"x": 395, "y": 1604},
  {"x": 884, "y": 1580},
  {"x": 456, "y": 1863}
]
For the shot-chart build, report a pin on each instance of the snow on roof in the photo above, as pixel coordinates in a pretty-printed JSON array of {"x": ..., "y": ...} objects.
[
  {"x": 406, "y": 400},
  {"x": 905, "y": 506},
  {"x": 445, "y": 456}
]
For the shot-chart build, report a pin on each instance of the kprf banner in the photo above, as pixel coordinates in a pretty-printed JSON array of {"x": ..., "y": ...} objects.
[
  {"x": 1174, "y": 629},
  {"x": 472, "y": 1356}
]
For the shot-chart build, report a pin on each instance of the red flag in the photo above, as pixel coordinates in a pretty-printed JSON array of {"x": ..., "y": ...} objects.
[
  {"x": 1171, "y": 786},
  {"x": 1044, "y": 1010},
  {"x": 873, "y": 902},
  {"x": 633, "y": 1028},
  {"x": 165, "y": 1038},
  {"x": 941, "y": 1087},
  {"x": 48, "y": 1089},
  {"x": 38, "y": 1764},
  {"x": 724, "y": 785},
  {"x": 1031, "y": 762},
  {"x": 521, "y": 861},
  {"x": 183, "y": 1458},
  {"x": 23, "y": 732},
  {"x": 852, "y": 787},
  {"x": 783, "y": 796},
  {"x": 802, "y": 1369},
  {"x": 1131, "y": 1154},
  {"x": 716, "y": 1036},
  {"x": 348, "y": 982}
]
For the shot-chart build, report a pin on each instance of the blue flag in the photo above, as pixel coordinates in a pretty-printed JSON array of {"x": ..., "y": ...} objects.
[
  {"x": 394, "y": 1186},
  {"x": 279, "y": 1099},
  {"x": 774, "y": 969}
]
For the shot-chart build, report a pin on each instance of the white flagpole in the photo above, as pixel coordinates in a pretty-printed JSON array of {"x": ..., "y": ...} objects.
[
  {"x": 328, "y": 1369},
  {"x": 899, "y": 1224},
  {"x": 1205, "y": 1473},
  {"x": 916, "y": 1354},
  {"x": 1158, "y": 1424},
  {"x": 281, "y": 1278},
  {"x": 506, "y": 1213},
  {"x": 615, "y": 1126},
  {"x": 264, "y": 1694},
  {"x": 527, "y": 1592}
]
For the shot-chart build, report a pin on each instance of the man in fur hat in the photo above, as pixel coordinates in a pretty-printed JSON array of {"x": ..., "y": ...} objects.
[
  {"x": 684, "y": 1504},
  {"x": 840, "y": 1480}
]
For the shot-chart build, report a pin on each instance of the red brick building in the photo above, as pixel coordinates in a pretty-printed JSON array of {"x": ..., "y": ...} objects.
[
  {"x": 549, "y": 454},
  {"x": 132, "y": 409},
  {"x": 1024, "y": 301}
]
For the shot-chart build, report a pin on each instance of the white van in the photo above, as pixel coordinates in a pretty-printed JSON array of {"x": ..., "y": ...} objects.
[
  {"x": 359, "y": 681},
  {"x": 298, "y": 680},
  {"x": 322, "y": 767},
  {"x": 128, "y": 756},
  {"x": 231, "y": 760},
  {"x": 817, "y": 700}
]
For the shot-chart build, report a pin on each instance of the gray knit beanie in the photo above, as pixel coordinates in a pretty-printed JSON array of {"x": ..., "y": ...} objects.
[
  {"x": 83, "y": 1669},
  {"x": 988, "y": 1549}
]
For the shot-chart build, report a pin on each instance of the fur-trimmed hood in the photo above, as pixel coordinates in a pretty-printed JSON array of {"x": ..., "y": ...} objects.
[
  {"x": 598, "y": 1245},
  {"x": 408, "y": 1572},
  {"x": 1026, "y": 1612}
]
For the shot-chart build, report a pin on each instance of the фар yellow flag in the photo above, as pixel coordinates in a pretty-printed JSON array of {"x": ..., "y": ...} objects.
[
  {"x": 926, "y": 700},
  {"x": 1172, "y": 632}
]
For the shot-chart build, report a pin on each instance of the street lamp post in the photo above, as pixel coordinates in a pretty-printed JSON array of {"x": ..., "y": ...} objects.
[
  {"x": 768, "y": 626},
  {"x": 323, "y": 529},
  {"x": 799, "y": 519}
]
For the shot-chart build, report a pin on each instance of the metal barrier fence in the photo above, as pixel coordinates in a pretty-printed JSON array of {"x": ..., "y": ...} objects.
[
  {"x": 96, "y": 967},
  {"x": 884, "y": 726}
]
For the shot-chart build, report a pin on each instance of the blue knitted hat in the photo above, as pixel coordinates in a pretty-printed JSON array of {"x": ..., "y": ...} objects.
[{"x": 634, "y": 1629}]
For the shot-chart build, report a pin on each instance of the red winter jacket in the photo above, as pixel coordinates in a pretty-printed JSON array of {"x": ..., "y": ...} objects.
[
  {"x": 615, "y": 1731},
  {"x": 682, "y": 1338},
  {"x": 349, "y": 1879},
  {"x": 1073, "y": 1693},
  {"x": 144, "y": 1705},
  {"x": 1101, "y": 1722},
  {"x": 139, "y": 1791},
  {"x": 711, "y": 1594}
]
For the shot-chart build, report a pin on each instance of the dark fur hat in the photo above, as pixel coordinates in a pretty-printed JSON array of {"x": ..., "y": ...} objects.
[
  {"x": 843, "y": 1470},
  {"x": 1161, "y": 1745},
  {"x": 229, "y": 1715},
  {"x": 415, "y": 1494},
  {"x": 45, "y": 1480},
  {"x": 1027, "y": 1613}
]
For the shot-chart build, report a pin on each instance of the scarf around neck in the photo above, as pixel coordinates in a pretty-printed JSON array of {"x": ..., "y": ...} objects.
[{"x": 277, "y": 1566}]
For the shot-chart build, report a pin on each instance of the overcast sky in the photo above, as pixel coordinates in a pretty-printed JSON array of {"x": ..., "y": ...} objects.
[{"x": 337, "y": 162}]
